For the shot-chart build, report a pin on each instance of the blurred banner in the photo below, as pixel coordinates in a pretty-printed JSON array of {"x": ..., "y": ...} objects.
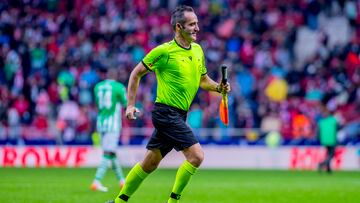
[{"x": 303, "y": 158}]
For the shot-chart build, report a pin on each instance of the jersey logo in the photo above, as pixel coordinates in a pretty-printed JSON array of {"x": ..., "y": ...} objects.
[
  {"x": 190, "y": 58},
  {"x": 155, "y": 60}
]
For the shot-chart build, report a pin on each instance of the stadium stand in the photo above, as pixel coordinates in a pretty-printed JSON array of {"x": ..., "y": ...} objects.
[{"x": 287, "y": 59}]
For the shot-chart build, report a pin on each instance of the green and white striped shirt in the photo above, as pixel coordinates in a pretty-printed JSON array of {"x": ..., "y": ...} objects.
[{"x": 110, "y": 96}]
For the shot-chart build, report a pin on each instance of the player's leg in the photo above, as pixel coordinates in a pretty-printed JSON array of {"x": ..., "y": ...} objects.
[
  {"x": 116, "y": 167},
  {"x": 330, "y": 154},
  {"x": 194, "y": 156},
  {"x": 110, "y": 144},
  {"x": 138, "y": 173},
  {"x": 100, "y": 173},
  {"x": 104, "y": 164},
  {"x": 322, "y": 164}
]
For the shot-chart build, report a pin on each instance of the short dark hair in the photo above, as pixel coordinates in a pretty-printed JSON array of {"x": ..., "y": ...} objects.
[{"x": 177, "y": 15}]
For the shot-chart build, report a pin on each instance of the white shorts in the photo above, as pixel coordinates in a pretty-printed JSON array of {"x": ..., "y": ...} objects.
[{"x": 109, "y": 141}]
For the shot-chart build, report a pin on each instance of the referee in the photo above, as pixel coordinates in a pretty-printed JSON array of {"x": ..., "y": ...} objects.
[{"x": 180, "y": 70}]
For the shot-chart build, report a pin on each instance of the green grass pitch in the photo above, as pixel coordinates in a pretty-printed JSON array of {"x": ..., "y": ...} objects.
[{"x": 62, "y": 185}]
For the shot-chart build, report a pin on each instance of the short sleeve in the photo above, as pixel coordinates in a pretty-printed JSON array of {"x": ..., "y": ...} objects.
[
  {"x": 155, "y": 57},
  {"x": 203, "y": 69}
]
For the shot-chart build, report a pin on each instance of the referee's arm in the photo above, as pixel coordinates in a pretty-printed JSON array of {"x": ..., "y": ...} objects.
[
  {"x": 134, "y": 81},
  {"x": 208, "y": 84}
]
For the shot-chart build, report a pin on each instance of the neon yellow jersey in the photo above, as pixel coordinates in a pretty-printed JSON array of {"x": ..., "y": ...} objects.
[{"x": 178, "y": 72}]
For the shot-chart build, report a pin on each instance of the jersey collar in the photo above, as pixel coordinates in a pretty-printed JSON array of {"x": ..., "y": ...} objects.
[{"x": 182, "y": 46}]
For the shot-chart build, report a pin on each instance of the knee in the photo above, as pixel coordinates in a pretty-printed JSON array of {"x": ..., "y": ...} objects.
[
  {"x": 149, "y": 166},
  {"x": 151, "y": 160},
  {"x": 196, "y": 159}
]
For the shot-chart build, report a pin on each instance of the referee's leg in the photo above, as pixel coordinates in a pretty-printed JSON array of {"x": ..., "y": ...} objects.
[
  {"x": 138, "y": 173},
  {"x": 194, "y": 156},
  {"x": 151, "y": 160}
]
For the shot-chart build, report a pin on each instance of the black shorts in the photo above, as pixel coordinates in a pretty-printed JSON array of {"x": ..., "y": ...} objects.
[{"x": 171, "y": 130}]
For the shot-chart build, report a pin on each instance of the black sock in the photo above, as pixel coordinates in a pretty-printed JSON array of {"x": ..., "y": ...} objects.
[
  {"x": 124, "y": 197},
  {"x": 175, "y": 196}
]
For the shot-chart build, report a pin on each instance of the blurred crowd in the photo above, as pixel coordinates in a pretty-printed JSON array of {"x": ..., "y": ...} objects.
[{"x": 50, "y": 51}]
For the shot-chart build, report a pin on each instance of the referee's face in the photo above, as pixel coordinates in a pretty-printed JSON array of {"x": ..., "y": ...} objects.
[{"x": 190, "y": 28}]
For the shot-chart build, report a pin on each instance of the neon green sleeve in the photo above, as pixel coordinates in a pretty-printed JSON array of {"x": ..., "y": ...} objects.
[
  {"x": 203, "y": 69},
  {"x": 156, "y": 56}
]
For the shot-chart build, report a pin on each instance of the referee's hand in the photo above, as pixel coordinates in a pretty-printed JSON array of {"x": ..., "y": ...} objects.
[
  {"x": 224, "y": 88},
  {"x": 132, "y": 112}
]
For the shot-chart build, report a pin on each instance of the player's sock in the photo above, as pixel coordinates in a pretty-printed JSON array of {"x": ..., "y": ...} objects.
[
  {"x": 183, "y": 176},
  {"x": 132, "y": 182},
  {"x": 101, "y": 170},
  {"x": 116, "y": 167}
]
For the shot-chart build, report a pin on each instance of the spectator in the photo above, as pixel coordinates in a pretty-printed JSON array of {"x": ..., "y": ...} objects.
[
  {"x": 63, "y": 41},
  {"x": 68, "y": 115},
  {"x": 328, "y": 128}
]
